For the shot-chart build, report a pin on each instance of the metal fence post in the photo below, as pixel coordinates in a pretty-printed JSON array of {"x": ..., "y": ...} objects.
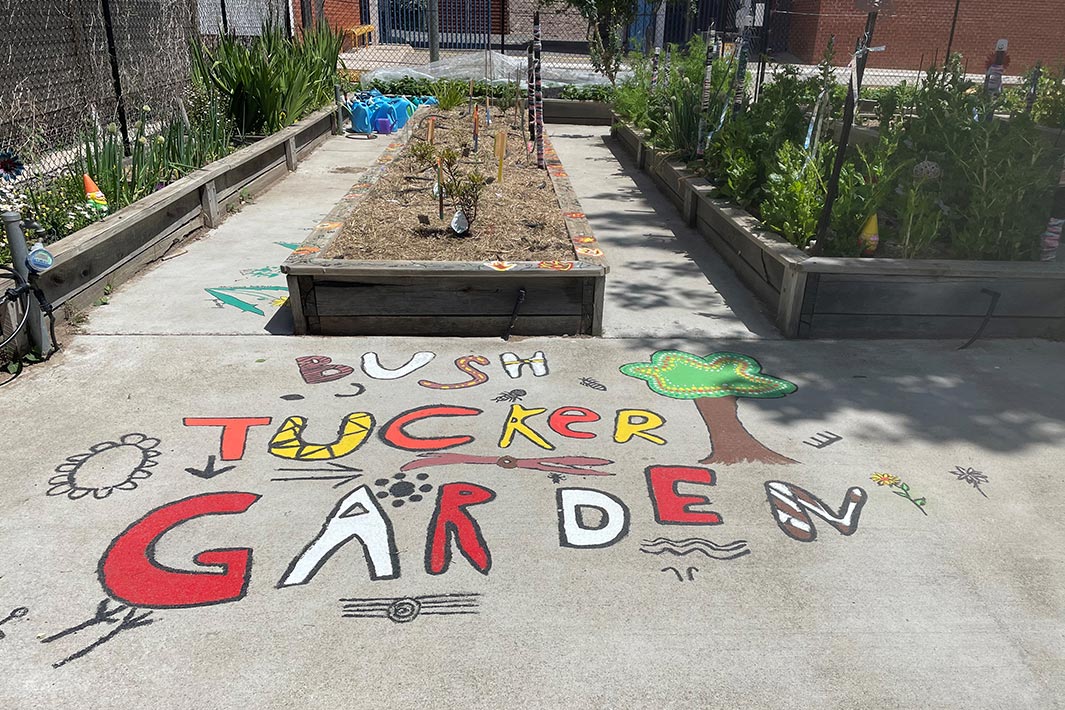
[
  {"x": 434, "y": 30},
  {"x": 39, "y": 334},
  {"x": 116, "y": 79}
]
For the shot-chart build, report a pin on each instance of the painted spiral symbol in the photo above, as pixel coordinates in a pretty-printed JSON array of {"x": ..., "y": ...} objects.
[{"x": 403, "y": 610}]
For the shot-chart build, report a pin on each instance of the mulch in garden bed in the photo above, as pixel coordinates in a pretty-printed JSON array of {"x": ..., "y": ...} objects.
[{"x": 518, "y": 219}]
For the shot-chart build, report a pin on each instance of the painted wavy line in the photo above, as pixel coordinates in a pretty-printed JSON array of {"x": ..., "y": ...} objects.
[
  {"x": 715, "y": 555},
  {"x": 735, "y": 544}
]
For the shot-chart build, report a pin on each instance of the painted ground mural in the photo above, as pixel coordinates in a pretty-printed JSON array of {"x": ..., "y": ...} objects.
[{"x": 386, "y": 493}]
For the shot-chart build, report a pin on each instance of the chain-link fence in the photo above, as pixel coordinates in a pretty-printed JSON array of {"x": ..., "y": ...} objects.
[
  {"x": 82, "y": 62},
  {"x": 76, "y": 64}
]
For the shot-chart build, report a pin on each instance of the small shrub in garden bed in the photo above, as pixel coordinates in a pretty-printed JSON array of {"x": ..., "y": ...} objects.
[{"x": 992, "y": 181}]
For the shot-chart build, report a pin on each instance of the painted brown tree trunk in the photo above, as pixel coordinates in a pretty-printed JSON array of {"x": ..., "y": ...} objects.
[{"x": 731, "y": 442}]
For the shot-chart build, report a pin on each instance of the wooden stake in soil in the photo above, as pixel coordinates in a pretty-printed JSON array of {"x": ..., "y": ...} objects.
[
  {"x": 501, "y": 151},
  {"x": 537, "y": 50},
  {"x": 470, "y": 108},
  {"x": 476, "y": 128},
  {"x": 432, "y": 126}
]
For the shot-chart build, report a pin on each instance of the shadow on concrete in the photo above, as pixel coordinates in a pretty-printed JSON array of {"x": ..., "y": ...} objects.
[
  {"x": 923, "y": 391},
  {"x": 281, "y": 322},
  {"x": 683, "y": 251}
]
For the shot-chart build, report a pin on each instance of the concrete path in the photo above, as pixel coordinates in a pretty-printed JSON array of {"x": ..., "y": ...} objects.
[
  {"x": 665, "y": 280},
  {"x": 221, "y": 521},
  {"x": 240, "y": 258}
]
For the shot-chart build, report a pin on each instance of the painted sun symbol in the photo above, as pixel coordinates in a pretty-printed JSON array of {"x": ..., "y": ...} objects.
[{"x": 106, "y": 467}]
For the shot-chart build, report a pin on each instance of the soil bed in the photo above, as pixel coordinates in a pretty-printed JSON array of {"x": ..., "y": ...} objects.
[{"x": 518, "y": 219}]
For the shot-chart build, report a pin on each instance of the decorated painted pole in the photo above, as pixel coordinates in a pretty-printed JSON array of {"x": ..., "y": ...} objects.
[
  {"x": 440, "y": 185},
  {"x": 743, "y": 52},
  {"x": 537, "y": 50},
  {"x": 530, "y": 100},
  {"x": 654, "y": 68},
  {"x": 704, "y": 104},
  {"x": 665, "y": 67}
]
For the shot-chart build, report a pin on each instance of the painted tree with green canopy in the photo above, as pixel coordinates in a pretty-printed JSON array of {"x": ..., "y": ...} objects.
[{"x": 716, "y": 382}]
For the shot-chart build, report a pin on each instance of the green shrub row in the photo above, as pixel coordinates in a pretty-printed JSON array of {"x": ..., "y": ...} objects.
[{"x": 946, "y": 178}]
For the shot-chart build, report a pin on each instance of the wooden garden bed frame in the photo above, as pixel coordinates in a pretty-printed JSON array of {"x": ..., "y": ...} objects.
[
  {"x": 446, "y": 298},
  {"x": 831, "y": 297},
  {"x": 109, "y": 252},
  {"x": 93, "y": 260}
]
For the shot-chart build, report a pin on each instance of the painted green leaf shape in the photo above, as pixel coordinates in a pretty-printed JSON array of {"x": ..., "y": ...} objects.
[{"x": 681, "y": 375}]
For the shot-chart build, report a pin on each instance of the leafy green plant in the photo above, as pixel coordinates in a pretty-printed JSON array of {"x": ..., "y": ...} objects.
[
  {"x": 678, "y": 129},
  {"x": 794, "y": 194},
  {"x": 588, "y": 92},
  {"x": 921, "y": 217},
  {"x": 632, "y": 97},
  {"x": 1049, "y": 107},
  {"x": 999, "y": 181},
  {"x": 273, "y": 81},
  {"x": 450, "y": 94},
  {"x": 59, "y": 206},
  {"x": 997, "y": 176}
]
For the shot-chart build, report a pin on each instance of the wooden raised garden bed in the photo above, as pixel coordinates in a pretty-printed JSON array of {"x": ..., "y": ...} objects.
[
  {"x": 827, "y": 297},
  {"x": 110, "y": 251},
  {"x": 340, "y": 296}
]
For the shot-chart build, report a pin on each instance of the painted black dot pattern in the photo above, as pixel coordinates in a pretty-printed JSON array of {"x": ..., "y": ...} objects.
[{"x": 402, "y": 489}]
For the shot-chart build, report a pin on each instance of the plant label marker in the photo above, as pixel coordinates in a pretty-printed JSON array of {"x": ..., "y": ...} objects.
[
  {"x": 501, "y": 151},
  {"x": 476, "y": 128}
]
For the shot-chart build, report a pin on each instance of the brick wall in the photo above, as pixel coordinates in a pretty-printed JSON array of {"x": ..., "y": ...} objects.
[
  {"x": 912, "y": 28},
  {"x": 343, "y": 14}
]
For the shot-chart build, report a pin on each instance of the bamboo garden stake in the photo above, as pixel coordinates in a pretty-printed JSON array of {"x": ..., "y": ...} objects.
[
  {"x": 476, "y": 128},
  {"x": 501, "y": 151}
]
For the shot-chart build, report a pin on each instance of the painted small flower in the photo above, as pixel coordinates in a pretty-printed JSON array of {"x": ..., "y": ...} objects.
[
  {"x": 885, "y": 479},
  {"x": 11, "y": 165}
]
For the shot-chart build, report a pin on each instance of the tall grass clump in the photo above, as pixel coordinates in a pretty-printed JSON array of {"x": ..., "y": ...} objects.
[{"x": 272, "y": 81}]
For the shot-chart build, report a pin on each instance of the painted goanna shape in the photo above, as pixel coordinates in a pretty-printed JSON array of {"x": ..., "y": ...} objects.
[{"x": 716, "y": 382}]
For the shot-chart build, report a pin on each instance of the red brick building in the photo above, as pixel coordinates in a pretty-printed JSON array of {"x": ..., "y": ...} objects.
[{"x": 912, "y": 28}]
